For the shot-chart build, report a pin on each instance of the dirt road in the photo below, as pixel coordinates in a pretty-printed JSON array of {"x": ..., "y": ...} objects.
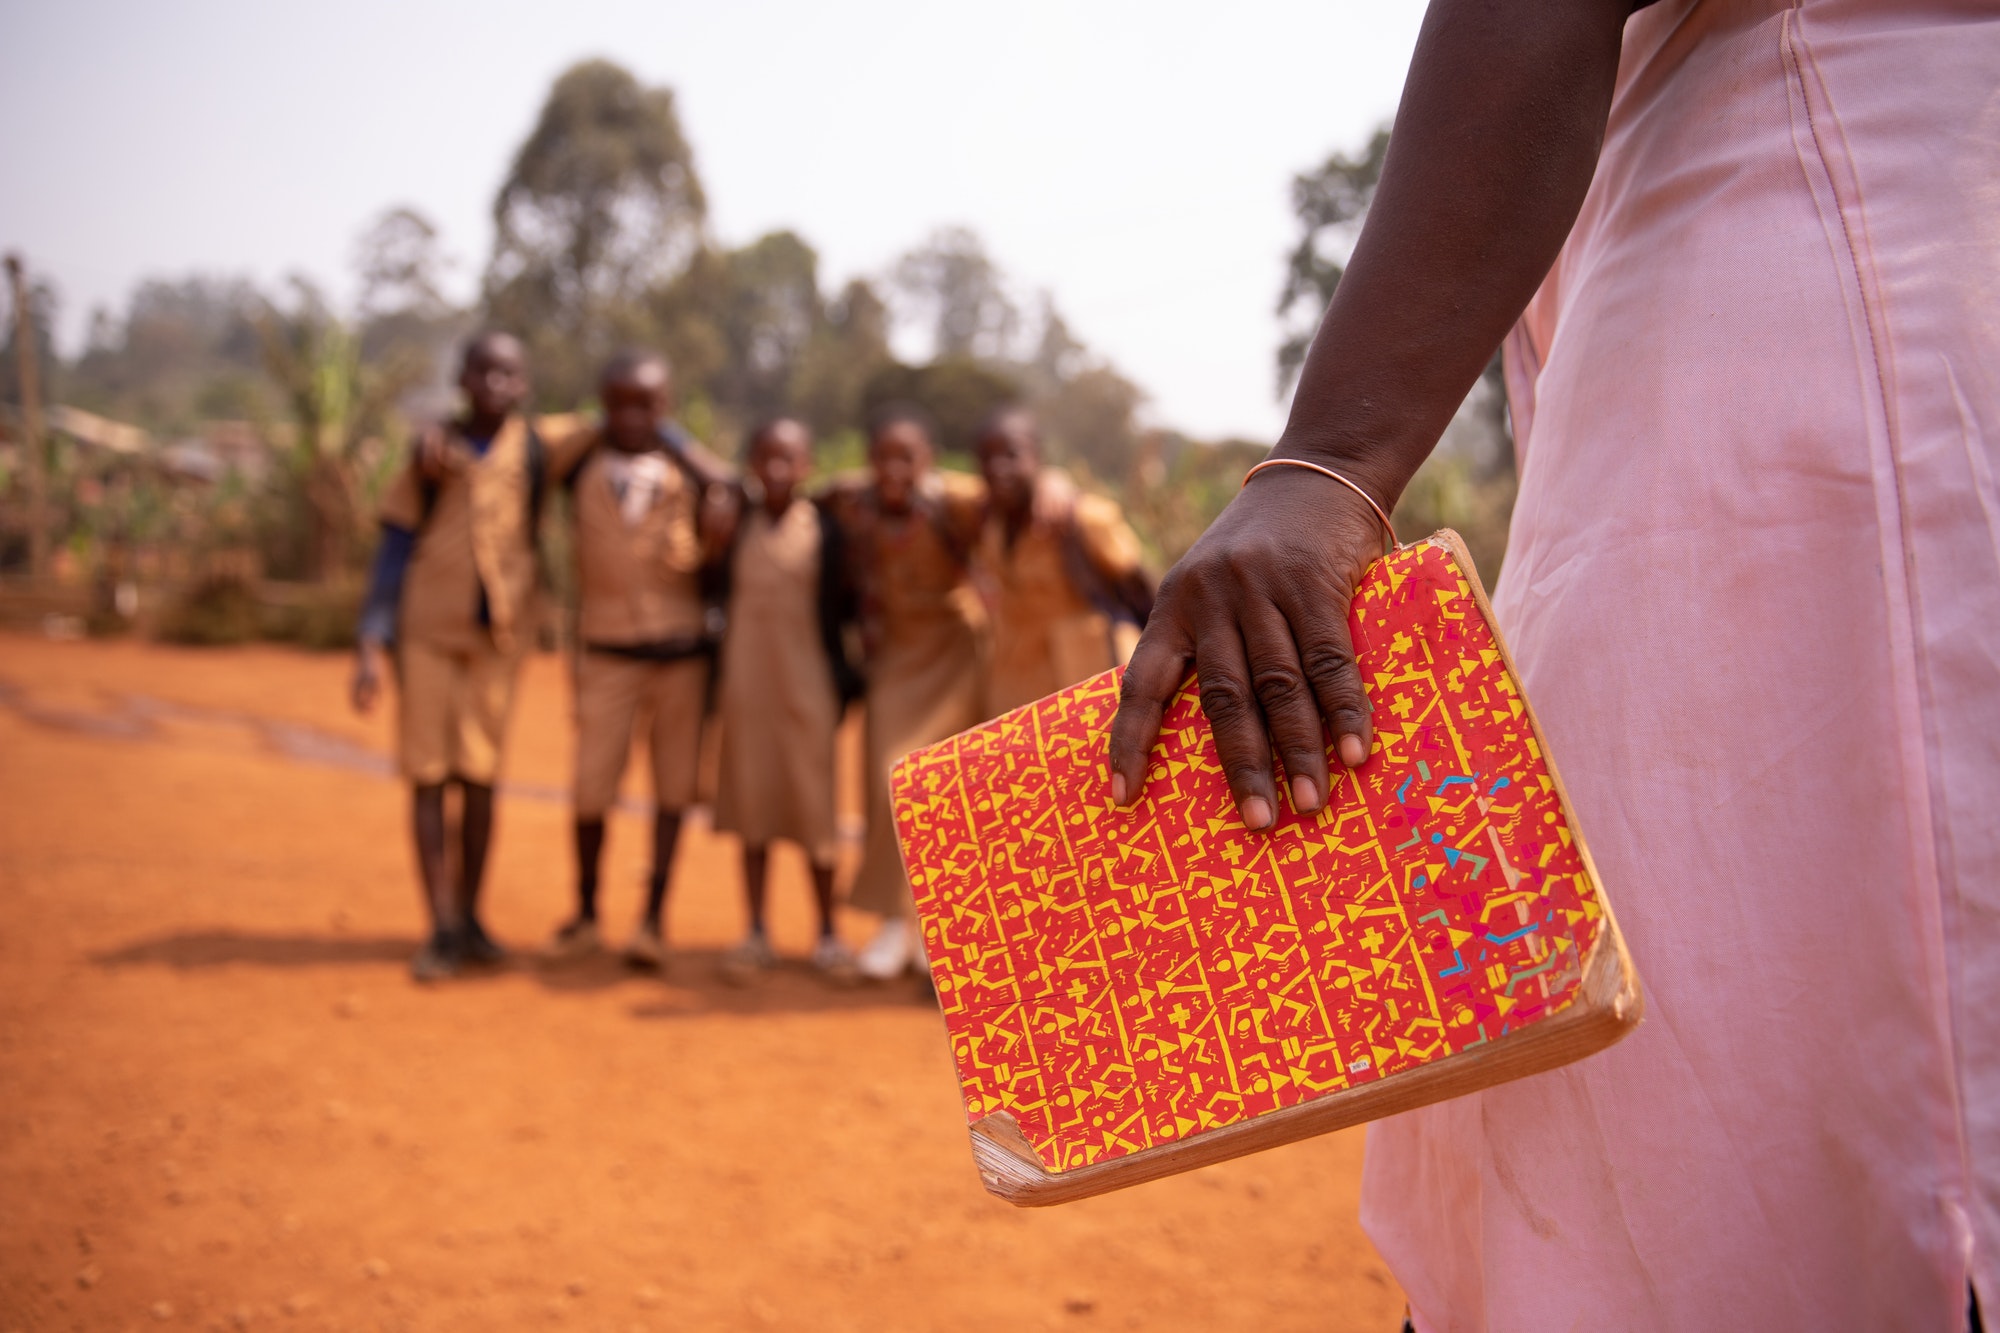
[{"x": 224, "y": 1105}]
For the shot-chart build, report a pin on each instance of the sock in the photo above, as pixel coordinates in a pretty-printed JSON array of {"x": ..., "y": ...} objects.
[
  {"x": 823, "y": 897},
  {"x": 475, "y": 833},
  {"x": 589, "y": 854}
]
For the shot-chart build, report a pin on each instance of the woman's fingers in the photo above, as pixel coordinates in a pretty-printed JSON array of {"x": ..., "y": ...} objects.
[
  {"x": 1289, "y": 703},
  {"x": 1258, "y": 608},
  {"x": 1326, "y": 656},
  {"x": 1152, "y": 678},
  {"x": 1228, "y": 696}
]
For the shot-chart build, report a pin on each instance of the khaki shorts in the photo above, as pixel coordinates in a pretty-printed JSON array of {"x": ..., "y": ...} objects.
[
  {"x": 452, "y": 711},
  {"x": 610, "y": 692}
]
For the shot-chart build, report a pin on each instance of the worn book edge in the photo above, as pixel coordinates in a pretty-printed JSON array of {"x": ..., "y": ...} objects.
[{"x": 1606, "y": 1006}]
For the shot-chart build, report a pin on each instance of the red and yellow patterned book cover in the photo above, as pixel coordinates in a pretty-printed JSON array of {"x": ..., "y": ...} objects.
[{"x": 1133, "y": 992}]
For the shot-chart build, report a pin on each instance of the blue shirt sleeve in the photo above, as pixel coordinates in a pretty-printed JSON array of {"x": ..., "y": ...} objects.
[{"x": 385, "y": 585}]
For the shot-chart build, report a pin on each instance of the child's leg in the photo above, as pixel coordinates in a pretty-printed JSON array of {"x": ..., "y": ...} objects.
[
  {"x": 475, "y": 836},
  {"x": 744, "y": 963},
  {"x": 666, "y": 835},
  {"x": 483, "y": 700},
  {"x": 756, "y": 865},
  {"x": 427, "y": 823},
  {"x": 822, "y": 873},
  {"x": 831, "y": 958},
  {"x": 607, "y": 697},
  {"x": 676, "y": 693}
]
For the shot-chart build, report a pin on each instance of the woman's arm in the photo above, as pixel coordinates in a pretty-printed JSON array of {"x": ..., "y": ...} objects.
[{"x": 1498, "y": 133}]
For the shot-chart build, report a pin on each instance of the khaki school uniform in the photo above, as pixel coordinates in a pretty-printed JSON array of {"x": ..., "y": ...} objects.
[
  {"x": 641, "y": 624},
  {"x": 779, "y": 703},
  {"x": 1050, "y": 628},
  {"x": 467, "y": 613},
  {"x": 925, "y": 633}
]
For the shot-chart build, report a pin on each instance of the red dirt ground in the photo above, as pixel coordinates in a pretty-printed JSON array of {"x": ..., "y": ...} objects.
[{"x": 226, "y": 1106}]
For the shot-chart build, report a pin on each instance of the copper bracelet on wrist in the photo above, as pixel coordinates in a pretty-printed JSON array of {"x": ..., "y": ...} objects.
[{"x": 1380, "y": 513}]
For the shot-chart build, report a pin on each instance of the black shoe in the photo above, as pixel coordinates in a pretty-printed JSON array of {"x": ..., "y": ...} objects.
[
  {"x": 440, "y": 959},
  {"x": 481, "y": 949}
]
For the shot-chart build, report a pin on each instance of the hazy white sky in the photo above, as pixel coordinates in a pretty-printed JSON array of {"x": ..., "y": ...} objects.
[{"x": 1132, "y": 159}]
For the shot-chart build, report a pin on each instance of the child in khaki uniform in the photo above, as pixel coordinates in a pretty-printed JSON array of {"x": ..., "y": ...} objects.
[
  {"x": 911, "y": 529},
  {"x": 639, "y": 488},
  {"x": 785, "y": 681},
  {"x": 1060, "y": 571},
  {"x": 453, "y": 590}
]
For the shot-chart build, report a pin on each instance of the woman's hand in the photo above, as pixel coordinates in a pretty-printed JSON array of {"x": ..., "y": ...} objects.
[{"x": 1258, "y": 609}]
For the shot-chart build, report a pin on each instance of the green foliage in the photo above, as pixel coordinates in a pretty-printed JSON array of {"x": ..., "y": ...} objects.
[
  {"x": 1179, "y": 486},
  {"x": 843, "y": 451},
  {"x": 218, "y": 610},
  {"x": 1447, "y": 492},
  {"x": 336, "y": 399},
  {"x": 182, "y": 352},
  {"x": 43, "y": 304},
  {"x": 1088, "y": 421}
]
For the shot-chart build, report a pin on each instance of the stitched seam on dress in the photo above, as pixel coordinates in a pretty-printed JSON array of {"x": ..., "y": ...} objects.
[{"x": 1798, "y": 50}]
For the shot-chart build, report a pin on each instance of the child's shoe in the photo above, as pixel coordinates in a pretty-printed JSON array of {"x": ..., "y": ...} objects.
[
  {"x": 891, "y": 953},
  {"x": 440, "y": 959},
  {"x": 834, "y": 961},
  {"x": 480, "y": 948},
  {"x": 573, "y": 939},
  {"x": 748, "y": 960},
  {"x": 646, "y": 948}
]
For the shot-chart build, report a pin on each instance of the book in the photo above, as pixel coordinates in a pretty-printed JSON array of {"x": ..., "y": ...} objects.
[{"x": 1134, "y": 993}]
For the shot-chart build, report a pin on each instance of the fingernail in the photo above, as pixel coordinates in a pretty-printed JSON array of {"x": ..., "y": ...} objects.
[
  {"x": 1305, "y": 796},
  {"x": 1257, "y": 812},
  {"x": 1117, "y": 789},
  {"x": 1352, "y": 752}
]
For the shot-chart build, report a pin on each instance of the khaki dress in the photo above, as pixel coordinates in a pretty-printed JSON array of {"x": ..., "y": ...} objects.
[
  {"x": 778, "y": 702},
  {"x": 925, "y": 632},
  {"x": 1047, "y": 632}
]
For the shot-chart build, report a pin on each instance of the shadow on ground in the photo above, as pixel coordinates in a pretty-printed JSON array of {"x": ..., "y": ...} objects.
[
  {"x": 196, "y": 949},
  {"x": 691, "y": 986}
]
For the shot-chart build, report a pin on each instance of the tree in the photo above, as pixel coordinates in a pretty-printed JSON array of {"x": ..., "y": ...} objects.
[
  {"x": 1330, "y": 202},
  {"x": 401, "y": 311},
  {"x": 953, "y": 283},
  {"x": 1468, "y": 483},
  {"x": 601, "y": 207},
  {"x": 42, "y": 305},
  {"x": 184, "y": 350},
  {"x": 401, "y": 265},
  {"x": 770, "y": 311},
  {"x": 1089, "y": 418}
]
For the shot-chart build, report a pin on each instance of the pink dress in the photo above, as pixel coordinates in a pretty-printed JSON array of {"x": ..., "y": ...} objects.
[{"x": 1753, "y": 586}]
